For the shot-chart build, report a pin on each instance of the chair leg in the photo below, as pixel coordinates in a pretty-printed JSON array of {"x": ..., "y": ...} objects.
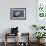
[
  {"x": 5, "y": 43},
  {"x": 5, "y": 39}
]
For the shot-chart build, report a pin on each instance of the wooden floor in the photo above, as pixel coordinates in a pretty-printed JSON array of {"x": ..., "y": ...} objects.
[{"x": 13, "y": 44}]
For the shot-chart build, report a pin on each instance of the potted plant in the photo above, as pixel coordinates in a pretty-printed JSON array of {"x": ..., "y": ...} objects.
[
  {"x": 39, "y": 35},
  {"x": 38, "y": 27}
]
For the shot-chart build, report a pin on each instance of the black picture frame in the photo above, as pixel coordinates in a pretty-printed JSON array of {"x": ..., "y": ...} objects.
[{"x": 17, "y": 13}]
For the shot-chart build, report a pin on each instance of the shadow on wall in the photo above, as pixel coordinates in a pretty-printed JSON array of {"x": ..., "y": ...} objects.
[{"x": 7, "y": 31}]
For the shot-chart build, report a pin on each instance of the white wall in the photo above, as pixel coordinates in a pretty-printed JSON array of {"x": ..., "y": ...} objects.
[{"x": 24, "y": 25}]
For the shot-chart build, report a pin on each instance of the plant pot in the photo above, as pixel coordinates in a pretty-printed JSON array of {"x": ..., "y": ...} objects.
[{"x": 40, "y": 41}]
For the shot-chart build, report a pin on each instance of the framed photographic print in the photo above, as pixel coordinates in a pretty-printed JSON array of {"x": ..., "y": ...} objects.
[
  {"x": 41, "y": 8},
  {"x": 17, "y": 13},
  {"x": 41, "y": 12}
]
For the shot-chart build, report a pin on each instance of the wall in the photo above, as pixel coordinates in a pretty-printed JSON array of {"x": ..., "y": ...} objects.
[{"x": 24, "y": 25}]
